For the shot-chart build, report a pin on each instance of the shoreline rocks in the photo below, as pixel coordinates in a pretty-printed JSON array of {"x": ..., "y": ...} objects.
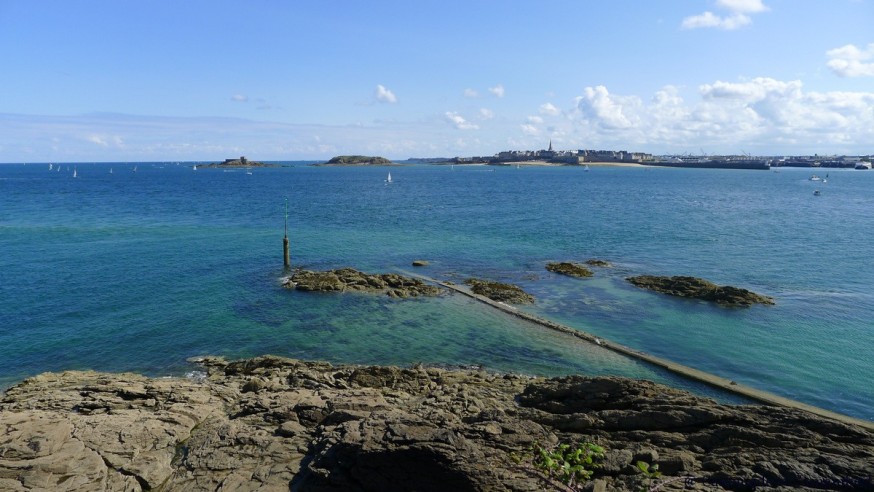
[
  {"x": 698, "y": 288},
  {"x": 351, "y": 280},
  {"x": 570, "y": 269},
  {"x": 287, "y": 424},
  {"x": 498, "y": 291}
]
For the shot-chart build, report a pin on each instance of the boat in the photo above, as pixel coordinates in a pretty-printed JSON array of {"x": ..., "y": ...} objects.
[
  {"x": 862, "y": 165},
  {"x": 50, "y": 167},
  {"x": 388, "y": 179},
  {"x": 586, "y": 168},
  {"x": 110, "y": 170},
  {"x": 135, "y": 168},
  {"x": 74, "y": 173},
  {"x": 816, "y": 193},
  {"x": 814, "y": 177},
  {"x": 194, "y": 167}
]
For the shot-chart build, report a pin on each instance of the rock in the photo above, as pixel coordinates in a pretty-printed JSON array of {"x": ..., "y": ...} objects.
[
  {"x": 498, "y": 291},
  {"x": 356, "y": 160},
  {"x": 599, "y": 263},
  {"x": 568, "y": 268},
  {"x": 697, "y": 288},
  {"x": 420, "y": 263},
  {"x": 349, "y": 279},
  {"x": 282, "y": 424}
]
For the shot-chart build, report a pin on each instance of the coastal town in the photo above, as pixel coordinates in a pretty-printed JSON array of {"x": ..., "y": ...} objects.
[{"x": 617, "y": 157}]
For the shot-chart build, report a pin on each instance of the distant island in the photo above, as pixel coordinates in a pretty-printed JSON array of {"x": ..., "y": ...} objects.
[
  {"x": 357, "y": 160},
  {"x": 235, "y": 163}
]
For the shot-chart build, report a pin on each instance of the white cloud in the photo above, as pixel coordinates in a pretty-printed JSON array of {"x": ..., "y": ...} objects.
[
  {"x": 709, "y": 19},
  {"x": 105, "y": 140},
  {"x": 850, "y": 61},
  {"x": 736, "y": 18},
  {"x": 239, "y": 98},
  {"x": 384, "y": 95},
  {"x": 606, "y": 110},
  {"x": 471, "y": 93},
  {"x": 459, "y": 122},
  {"x": 497, "y": 90},
  {"x": 530, "y": 130},
  {"x": 536, "y": 120},
  {"x": 772, "y": 115},
  {"x": 549, "y": 109},
  {"x": 752, "y": 6},
  {"x": 486, "y": 114}
]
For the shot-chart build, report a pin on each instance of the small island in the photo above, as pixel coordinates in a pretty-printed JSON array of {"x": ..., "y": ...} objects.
[
  {"x": 696, "y": 288},
  {"x": 357, "y": 160},
  {"x": 240, "y": 162}
]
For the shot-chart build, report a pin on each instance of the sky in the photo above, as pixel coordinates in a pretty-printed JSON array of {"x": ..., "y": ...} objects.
[{"x": 161, "y": 80}]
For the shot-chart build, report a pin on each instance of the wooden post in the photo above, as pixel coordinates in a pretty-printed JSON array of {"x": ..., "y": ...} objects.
[{"x": 285, "y": 257}]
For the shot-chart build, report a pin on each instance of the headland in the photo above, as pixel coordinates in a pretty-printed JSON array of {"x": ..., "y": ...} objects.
[{"x": 284, "y": 424}]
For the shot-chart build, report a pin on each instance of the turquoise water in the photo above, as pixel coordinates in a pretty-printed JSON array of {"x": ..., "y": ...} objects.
[{"x": 139, "y": 271}]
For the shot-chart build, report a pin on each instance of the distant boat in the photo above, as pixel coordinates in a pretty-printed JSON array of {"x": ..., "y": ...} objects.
[
  {"x": 388, "y": 179},
  {"x": 249, "y": 170},
  {"x": 194, "y": 167},
  {"x": 816, "y": 193},
  {"x": 587, "y": 167},
  {"x": 135, "y": 168},
  {"x": 815, "y": 178},
  {"x": 50, "y": 167},
  {"x": 863, "y": 165},
  {"x": 74, "y": 173},
  {"x": 110, "y": 170}
]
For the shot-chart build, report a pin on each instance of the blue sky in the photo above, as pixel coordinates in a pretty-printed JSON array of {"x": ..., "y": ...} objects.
[{"x": 111, "y": 80}]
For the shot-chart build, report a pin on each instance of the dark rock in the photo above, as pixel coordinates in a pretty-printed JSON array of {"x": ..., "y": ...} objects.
[
  {"x": 498, "y": 291},
  {"x": 568, "y": 268},
  {"x": 419, "y": 263},
  {"x": 599, "y": 263},
  {"x": 350, "y": 280},
  {"x": 697, "y": 288}
]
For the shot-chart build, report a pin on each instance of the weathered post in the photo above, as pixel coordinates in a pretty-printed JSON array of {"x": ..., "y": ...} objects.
[{"x": 285, "y": 258}]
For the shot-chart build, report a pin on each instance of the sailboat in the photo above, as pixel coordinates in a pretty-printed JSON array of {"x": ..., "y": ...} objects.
[
  {"x": 587, "y": 167},
  {"x": 135, "y": 168},
  {"x": 110, "y": 170},
  {"x": 388, "y": 179},
  {"x": 50, "y": 167},
  {"x": 74, "y": 173},
  {"x": 249, "y": 170}
]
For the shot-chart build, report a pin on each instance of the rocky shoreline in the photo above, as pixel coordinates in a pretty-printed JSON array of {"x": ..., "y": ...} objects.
[{"x": 277, "y": 423}]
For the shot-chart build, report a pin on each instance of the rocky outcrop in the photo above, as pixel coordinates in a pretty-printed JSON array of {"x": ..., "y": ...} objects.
[
  {"x": 350, "y": 280},
  {"x": 697, "y": 288},
  {"x": 281, "y": 424},
  {"x": 599, "y": 263},
  {"x": 242, "y": 162},
  {"x": 420, "y": 263},
  {"x": 498, "y": 291},
  {"x": 357, "y": 160},
  {"x": 569, "y": 268}
]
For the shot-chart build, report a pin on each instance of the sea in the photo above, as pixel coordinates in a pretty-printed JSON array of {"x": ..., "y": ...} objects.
[{"x": 142, "y": 266}]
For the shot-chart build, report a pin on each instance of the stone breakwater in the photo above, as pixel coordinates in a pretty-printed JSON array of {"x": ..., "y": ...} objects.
[{"x": 283, "y": 424}]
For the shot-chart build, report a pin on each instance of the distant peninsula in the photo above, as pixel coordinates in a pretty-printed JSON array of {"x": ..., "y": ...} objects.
[
  {"x": 357, "y": 160},
  {"x": 235, "y": 163}
]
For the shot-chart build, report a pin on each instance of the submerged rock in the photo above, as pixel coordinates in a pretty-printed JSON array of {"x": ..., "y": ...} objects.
[
  {"x": 599, "y": 263},
  {"x": 349, "y": 279},
  {"x": 498, "y": 291},
  {"x": 569, "y": 268},
  {"x": 282, "y": 424},
  {"x": 420, "y": 263},
  {"x": 697, "y": 288}
]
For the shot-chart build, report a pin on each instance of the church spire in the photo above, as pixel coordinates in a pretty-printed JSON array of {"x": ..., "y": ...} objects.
[{"x": 550, "y": 145}]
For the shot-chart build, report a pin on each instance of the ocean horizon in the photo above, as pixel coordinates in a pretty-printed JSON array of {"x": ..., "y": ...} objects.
[{"x": 140, "y": 271}]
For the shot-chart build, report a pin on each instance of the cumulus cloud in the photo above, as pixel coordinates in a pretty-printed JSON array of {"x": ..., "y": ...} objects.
[
  {"x": 486, "y": 114},
  {"x": 736, "y": 18},
  {"x": 239, "y": 98},
  {"x": 775, "y": 115},
  {"x": 530, "y": 130},
  {"x": 497, "y": 90},
  {"x": 549, "y": 109},
  {"x": 384, "y": 95},
  {"x": 459, "y": 122},
  {"x": 608, "y": 111},
  {"x": 537, "y": 120},
  {"x": 850, "y": 61},
  {"x": 471, "y": 93}
]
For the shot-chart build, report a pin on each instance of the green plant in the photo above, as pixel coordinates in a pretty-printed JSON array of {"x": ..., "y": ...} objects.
[{"x": 567, "y": 464}]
